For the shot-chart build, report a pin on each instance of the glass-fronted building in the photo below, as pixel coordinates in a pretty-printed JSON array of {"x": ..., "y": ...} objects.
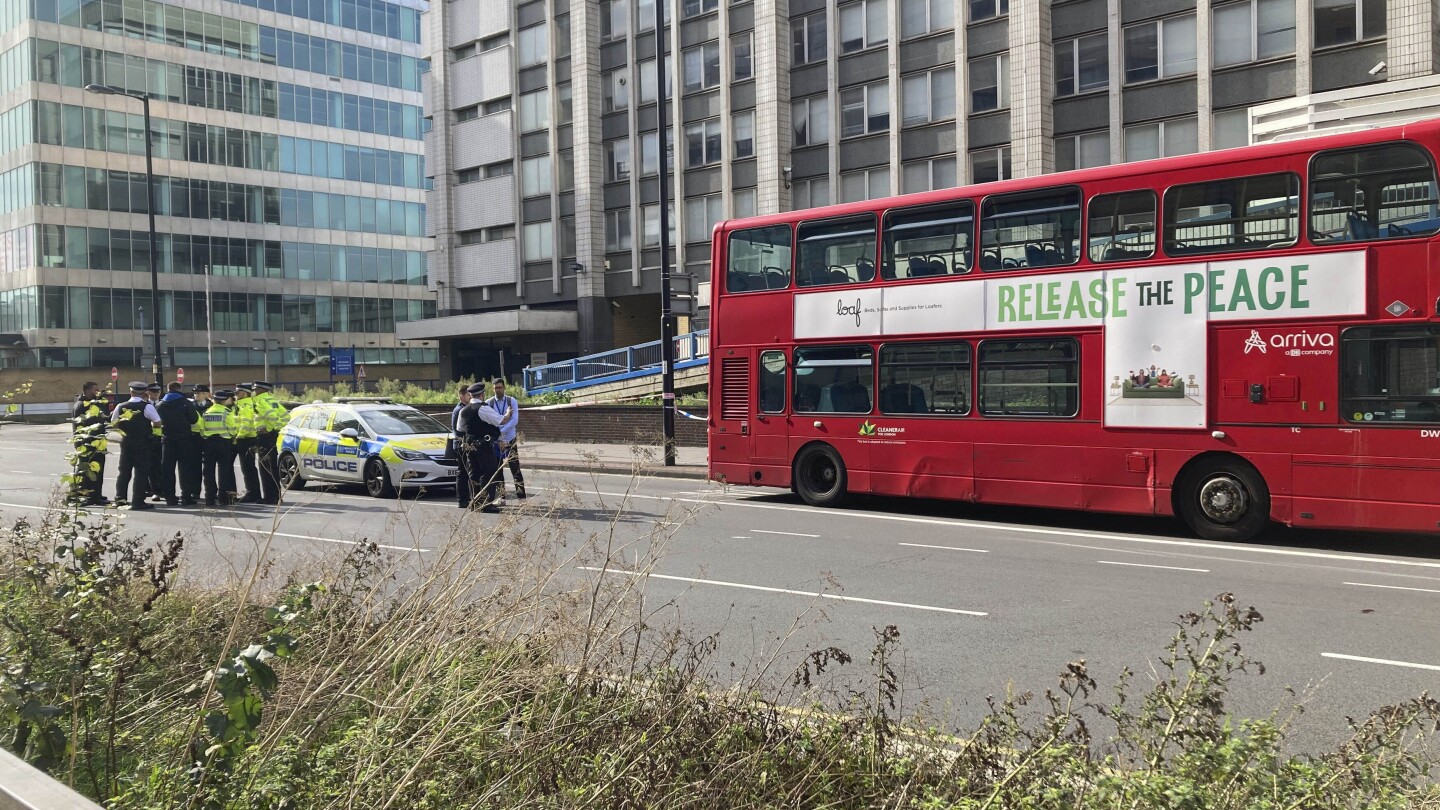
[{"x": 290, "y": 183}]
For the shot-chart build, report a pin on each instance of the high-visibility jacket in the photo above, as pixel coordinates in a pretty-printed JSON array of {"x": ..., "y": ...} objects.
[
  {"x": 269, "y": 413},
  {"x": 245, "y": 418},
  {"x": 198, "y": 426},
  {"x": 220, "y": 421}
]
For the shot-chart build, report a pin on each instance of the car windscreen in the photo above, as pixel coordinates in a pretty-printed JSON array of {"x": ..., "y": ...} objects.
[{"x": 401, "y": 422}]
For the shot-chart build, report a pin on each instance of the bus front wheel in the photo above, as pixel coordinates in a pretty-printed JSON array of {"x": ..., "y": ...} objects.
[
  {"x": 1224, "y": 499},
  {"x": 820, "y": 476}
]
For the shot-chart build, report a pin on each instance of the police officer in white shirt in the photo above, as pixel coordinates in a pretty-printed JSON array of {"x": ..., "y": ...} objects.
[
  {"x": 509, "y": 412},
  {"x": 135, "y": 419}
]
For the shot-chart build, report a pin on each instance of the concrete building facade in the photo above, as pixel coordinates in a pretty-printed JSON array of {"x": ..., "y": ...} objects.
[
  {"x": 544, "y": 148},
  {"x": 290, "y": 192}
]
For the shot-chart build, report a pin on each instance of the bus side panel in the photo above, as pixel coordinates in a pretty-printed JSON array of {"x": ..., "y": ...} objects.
[
  {"x": 1103, "y": 479},
  {"x": 1374, "y": 492},
  {"x": 924, "y": 469}
]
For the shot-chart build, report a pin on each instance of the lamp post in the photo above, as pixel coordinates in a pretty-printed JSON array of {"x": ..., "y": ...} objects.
[
  {"x": 107, "y": 90},
  {"x": 667, "y": 318},
  {"x": 263, "y": 345}
]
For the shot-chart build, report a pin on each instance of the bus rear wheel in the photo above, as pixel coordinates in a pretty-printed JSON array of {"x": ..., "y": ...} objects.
[
  {"x": 820, "y": 476},
  {"x": 1224, "y": 499}
]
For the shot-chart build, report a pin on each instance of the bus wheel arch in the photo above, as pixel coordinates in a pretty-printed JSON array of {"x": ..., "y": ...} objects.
[
  {"x": 1222, "y": 496},
  {"x": 818, "y": 475}
]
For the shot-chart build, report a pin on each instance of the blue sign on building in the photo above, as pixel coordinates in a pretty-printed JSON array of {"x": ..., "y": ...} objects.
[{"x": 342, "y": 362}]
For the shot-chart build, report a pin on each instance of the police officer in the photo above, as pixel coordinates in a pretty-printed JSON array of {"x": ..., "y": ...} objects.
[
  {"x": 220, "y": 426},
  {"x": 479, "y": 433},
  {"x": 178, "y": 418},
  {"x": 462, "y": 481},
  {"x": 89, "y": 421},
  {"x": 135, "y": 419},
  {"x": 245, "y": 423},
  {"x": 270, "y": 419},
  {"x": 157, "y": 440}
]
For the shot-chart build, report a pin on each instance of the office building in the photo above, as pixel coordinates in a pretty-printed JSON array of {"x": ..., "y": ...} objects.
[{"x": 290, "y": 190}]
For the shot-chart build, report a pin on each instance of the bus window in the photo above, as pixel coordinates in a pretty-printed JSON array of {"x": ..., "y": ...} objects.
[
  {"x": 772, "y": 382},
  {"x": 1122, "y": 226},
  {"x": 1237, "y": 213},
  {"x": 833, "y": 379},
  {"x": 925, "y": 378},
  {"x": 1391, "y": 374},
  {"x": 931, "y": 241},
  {"x": 1030, "y": 229},
  {"x": 1375, "y": 192},
  {"x": 836, "y": 251},
  {"x": 759, "y": 259},
  {"x": 1038, "y": 377}
]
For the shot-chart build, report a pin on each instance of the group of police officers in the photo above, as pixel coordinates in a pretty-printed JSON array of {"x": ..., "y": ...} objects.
[{"x": 172, "y": 444}]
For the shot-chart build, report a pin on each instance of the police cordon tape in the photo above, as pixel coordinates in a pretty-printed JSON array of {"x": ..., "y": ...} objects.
[{"x": 563, "y": 406}]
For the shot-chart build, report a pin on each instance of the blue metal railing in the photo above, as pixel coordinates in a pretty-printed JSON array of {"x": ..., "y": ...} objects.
[{"x": 691, "y": 349}]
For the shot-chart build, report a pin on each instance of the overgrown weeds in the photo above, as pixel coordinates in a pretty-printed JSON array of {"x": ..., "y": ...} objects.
[{"x": 489, "y": 673}]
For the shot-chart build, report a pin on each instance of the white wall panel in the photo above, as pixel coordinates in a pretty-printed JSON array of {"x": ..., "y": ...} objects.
[{"x": 486, "y": 264}]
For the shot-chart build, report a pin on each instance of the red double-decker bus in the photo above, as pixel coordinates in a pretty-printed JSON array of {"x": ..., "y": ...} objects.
[{"x": 1235, "y": 338}]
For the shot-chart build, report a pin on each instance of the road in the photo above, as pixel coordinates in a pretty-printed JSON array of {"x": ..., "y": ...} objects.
[{"x": 983, "y": 597}]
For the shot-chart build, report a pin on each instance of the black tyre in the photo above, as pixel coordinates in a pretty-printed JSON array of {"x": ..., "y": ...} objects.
[
  {"x": 377, "y": 479},
  {"x": 290, "y": 477},
  {"x": 1225, "y": 499},
  {"x": 820, "y": 476}
]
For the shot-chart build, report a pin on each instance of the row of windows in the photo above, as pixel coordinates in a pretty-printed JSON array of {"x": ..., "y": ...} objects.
[
  {"x": 1035, "y": 378},
  {"x": 48, "y": 122},
  {"x": 194, "y": 357},
  {"x": 370, "y": 16},
  {"x": 75, "y": 66},
  {"x": 105, "y": 308},
  {"x": 76, "y": 247},
  {"x": 1377, "y": 192},
  {"x": 126, "y": 192},
  {"x": 211, "y": 33}
]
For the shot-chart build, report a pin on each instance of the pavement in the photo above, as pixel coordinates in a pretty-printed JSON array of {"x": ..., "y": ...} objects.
[{"x": 690, "y": 462}]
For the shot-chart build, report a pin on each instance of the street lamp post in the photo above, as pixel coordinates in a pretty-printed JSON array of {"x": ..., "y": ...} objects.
[
  {"x": 667, "y": 318},
  {"x": 107, "y": 90},
  {"x": 263, "y": 345}
]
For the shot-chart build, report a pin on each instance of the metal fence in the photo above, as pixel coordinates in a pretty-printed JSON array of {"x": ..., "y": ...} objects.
[{"x": 691, "y": 349}]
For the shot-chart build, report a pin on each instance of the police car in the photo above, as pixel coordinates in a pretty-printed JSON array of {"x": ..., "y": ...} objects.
[{"x": 374, "y": 442}]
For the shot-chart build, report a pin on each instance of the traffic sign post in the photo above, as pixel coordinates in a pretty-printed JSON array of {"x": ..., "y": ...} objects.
[
  {"x": 180, "y": 375},
  {"x": 360, "y": 372}
]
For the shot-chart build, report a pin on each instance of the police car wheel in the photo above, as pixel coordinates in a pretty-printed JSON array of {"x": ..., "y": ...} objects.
[
  {"x": 290, "y": 476},
  {"x": 377, "y": 480}
]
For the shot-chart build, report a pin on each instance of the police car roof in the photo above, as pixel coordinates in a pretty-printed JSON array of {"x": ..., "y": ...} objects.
[{"x": 365, "y": 400}]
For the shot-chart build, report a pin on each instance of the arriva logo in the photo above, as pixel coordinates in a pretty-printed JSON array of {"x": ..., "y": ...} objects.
[
  {"x": 1296, "y": 344},
  {"x": 1255, "y": 342},
  {"x": 867, "y": 428}
]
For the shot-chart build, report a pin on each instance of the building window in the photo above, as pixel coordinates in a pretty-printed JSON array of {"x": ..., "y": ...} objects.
[
  {"x": 990, "y": 83},
  {"x": 990, "y": 165},
  {"x": 742, "y": 52},
  {"x": 650, "y": 151},
  {"x": 491, "y": 43},
  {"x": 811, "y": 193},
  {"x": 862, "y": 25},
  {"x": 865, "y": 184},
  {"x": 566, "y": 102},
  {"x": 614, "y": 20},
  {"x": 1232, "y": 129},
  {"x": 1030, "y": 377},
  {"x": 534, "y": 46},
  {"x": 811, "y": 119},
  {"x": 919, "y": 17},
  {"x": 702, "y": 143},
  {"x": 567, "y": 237},
  {"x": 807, "y": 36},
  {"x": 565, "y": 177},
  {"x": 1162, "y": 139},
  {"x": 743, "y": 134},
  {"x": 467, "y": 114},
  {"x": 1082, "y": 65},
  {"x": 617, "y": 231},
  {"x": 694, "y": 8},
  {"x": 467, "y": 176},
  {"x": 702, "y": 66},
  {"x": 499, "y": 232},
  {"x": 535, "y": 176},
  {"x": 646, "y": 70},
  {"x": 1082, "y": 151},
  {"x": 499, "y": 105},
  {"x": 701, "y": 214},
  {"x": 744, "y": 202},
  {"x": 1252, "y": 30},
  {"x": 617, "y": 161},
  {"x": 650, "y": 231},
  {"x": 539, "y": 241},
  {"x": 927, "y": 175},
  {"x": 535, "y": 111},
  {"x": 985, "y": 9},
  {"x": 1338, "y": 22},
  {"x": 471, "y": 237},
  {"x": 502, "y": 169},
  {"x": 927, "y": 97},
  {"x": 865, "y": 109},
  {"x": 463, "y": 52},
  {"x": 1161, "y": 49},
  {"x": 615, "y": 90}
]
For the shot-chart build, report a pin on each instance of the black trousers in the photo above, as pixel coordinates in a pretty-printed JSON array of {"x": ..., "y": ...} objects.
[
  {"x": 268, "y": 462},
  {"x": 479, "y": 464},
  {"x": 512, "y": 458},
  {"x": 136, "y": 462},
  {"x": 88, "y": 487},
  {"x": 245, "y": 451},
  {"x": 181, "y": 467},
  {"x": 157, "y": 470},
  {"x": 219, "y": 467}
]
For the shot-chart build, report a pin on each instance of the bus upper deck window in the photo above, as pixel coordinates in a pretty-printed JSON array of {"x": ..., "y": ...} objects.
[
  {"x": 1385, "y": 191},
  {"x": 929, "y": 241},
  {"x": 1030, "y": 229},
  {"x": 759, "y": 259},
  {"x": 836, "y": 251},
  {"x": 1122, "y": 226},
  {"x": 1232, "y": 214}
]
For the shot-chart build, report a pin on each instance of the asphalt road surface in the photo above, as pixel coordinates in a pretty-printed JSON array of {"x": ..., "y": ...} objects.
[{"x": 983, "y": 597}]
